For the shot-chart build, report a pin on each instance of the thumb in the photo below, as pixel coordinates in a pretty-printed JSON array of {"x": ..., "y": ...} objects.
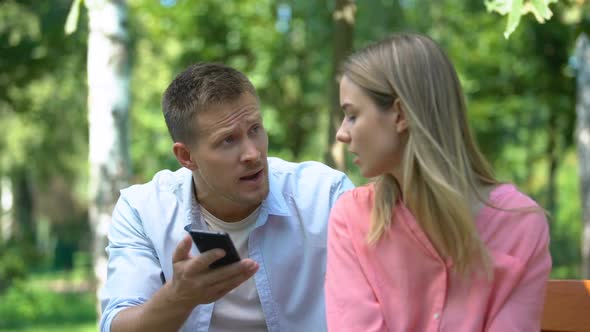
[{"x": 183, "y": 249}]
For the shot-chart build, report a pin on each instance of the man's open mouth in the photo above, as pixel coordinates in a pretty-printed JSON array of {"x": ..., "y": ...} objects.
[{"x": 254, "y": 176}]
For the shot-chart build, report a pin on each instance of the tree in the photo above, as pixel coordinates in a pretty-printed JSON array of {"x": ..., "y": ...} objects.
[
  {"x": 582, "y": 56},
  {"x": 344, "y": 18},
  {"x": 108, "y": 113},
  {"x": 515, "y": 9}
]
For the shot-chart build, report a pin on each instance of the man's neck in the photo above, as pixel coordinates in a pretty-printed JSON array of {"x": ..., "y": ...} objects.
[{"x": 222, "y": 208}]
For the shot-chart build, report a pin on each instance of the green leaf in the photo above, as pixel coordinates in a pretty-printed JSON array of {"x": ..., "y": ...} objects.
[
  {"x": 540, "y": 8},
  {"x": 500, "y": 6},
  {"x": 517, "y": 8},
  {"x": 73, "y": 15},
  {"x": 513, "y": 17}
]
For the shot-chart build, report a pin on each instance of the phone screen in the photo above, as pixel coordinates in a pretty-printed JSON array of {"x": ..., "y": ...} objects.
[{"x": 207, "y": 240}]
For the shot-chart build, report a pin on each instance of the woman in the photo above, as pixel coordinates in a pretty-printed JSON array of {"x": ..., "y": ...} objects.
[{"x": 436, "y": 243}]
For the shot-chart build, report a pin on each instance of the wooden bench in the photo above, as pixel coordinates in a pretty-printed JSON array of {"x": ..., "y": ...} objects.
[{"x": 567, "y": 306}]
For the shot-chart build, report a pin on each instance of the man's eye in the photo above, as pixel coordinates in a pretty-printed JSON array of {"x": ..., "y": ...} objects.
[{"x": 351, "y": 118}]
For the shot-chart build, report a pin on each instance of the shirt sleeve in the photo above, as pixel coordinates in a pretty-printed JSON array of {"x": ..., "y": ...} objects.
[
  {"x": 522, "y": 308},
  {"x": 133, "y": 266},
  {"x": 339, "y": 188},
  {"x": 351, "y": 304}
]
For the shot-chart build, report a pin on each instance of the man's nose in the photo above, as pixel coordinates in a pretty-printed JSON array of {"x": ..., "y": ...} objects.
[{"x": 250, "y": 151}]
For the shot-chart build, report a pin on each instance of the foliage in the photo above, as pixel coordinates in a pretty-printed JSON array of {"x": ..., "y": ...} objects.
[
  {"x": 516, "y": 8},
  {"x": 33, "y": 303},
  {"x": 12, "y": 266},
  {"x": 44, "y": 140},
  {"x": 566, "y": 228},
  {"x": 520, "y": 93},
  {"x": 274, "y": 52},
  {"x": 59, "y": 327}
]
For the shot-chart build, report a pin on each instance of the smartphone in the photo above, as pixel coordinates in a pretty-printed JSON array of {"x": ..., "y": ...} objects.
[{"x": 207, "y": 240}]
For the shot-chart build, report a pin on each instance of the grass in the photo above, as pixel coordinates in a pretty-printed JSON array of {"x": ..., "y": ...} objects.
[
  {"x": 48, "y": 302},
  {"x": 82, "y": 327}
]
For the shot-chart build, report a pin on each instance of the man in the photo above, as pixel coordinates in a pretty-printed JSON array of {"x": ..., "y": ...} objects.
[{"x": 276, "y": 213}]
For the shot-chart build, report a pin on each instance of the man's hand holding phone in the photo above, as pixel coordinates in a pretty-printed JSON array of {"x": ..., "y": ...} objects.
[{"x": 194, "y": 282}]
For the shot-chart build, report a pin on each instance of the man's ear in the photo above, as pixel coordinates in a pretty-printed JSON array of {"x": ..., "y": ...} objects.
[
  {"x": 183, "y": 155},
  {"x": 401, "y": 121}
]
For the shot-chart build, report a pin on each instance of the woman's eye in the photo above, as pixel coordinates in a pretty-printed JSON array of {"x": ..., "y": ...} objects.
[
  {"x": 351, "y": 118},
  {"x": 228, "y": 140}
]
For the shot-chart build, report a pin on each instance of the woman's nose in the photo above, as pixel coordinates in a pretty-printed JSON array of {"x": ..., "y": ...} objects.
[{"x": 342, "y": 134}]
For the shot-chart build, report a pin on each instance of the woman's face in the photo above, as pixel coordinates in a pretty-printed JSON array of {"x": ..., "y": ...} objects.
[{"x": 373, "y": 135}]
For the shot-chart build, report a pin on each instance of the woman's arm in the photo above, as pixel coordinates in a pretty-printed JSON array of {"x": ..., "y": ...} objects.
[
  {"x": 523, "y": 307},
  {"x": 350, "y": 301}
]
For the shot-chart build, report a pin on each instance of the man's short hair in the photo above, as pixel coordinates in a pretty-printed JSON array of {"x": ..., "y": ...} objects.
[{"x": 195, "y": 90}]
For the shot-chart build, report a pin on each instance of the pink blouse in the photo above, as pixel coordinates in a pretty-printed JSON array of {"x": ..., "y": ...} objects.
[{"x": 402, "y": 284}]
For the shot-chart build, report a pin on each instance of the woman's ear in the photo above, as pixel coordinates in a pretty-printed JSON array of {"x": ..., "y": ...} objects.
[
  {"x": 183, "y": 155},
  {"x": 401, "y": 121}
]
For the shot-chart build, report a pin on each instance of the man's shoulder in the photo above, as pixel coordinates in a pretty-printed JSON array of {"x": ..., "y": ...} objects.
[
  {"x": 163, "y": 181},
  {"x": 280, "y": 167},
  {"x": 306, "y": 183}
]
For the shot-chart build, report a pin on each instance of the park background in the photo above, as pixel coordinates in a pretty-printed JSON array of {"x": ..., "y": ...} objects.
[{"x": 81, "y": 84}]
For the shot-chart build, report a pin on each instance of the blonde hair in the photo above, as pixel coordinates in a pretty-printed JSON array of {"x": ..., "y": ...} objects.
[{"x": 442, "y": 167}]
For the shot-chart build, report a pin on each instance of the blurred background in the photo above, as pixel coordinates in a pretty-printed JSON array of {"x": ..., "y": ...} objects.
[{"x": 80, "y": 118}]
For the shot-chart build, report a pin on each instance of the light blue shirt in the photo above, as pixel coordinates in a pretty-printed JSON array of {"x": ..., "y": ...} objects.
[{"x": 288, "y": 242}]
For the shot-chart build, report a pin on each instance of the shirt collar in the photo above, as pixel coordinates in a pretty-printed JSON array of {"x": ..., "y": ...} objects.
[
  {"x": 274, "y": 204},
  {"x": 275, "y": 201},
  {"x": 191, "y": 208}
]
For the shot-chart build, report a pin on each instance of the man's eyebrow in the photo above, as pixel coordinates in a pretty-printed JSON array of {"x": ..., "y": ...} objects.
[
  {"x": 223, "y": 131},
  {"x": 220, "y": 133},
  {"x": 216, "y": 136},
  {"x": 254, "y": 118}
]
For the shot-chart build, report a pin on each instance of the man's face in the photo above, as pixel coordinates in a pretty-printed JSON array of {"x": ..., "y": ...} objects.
[{"x": 230, "y": 153}]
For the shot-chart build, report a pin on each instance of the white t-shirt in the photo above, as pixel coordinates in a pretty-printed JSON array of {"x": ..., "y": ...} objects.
[{"x": 240, "y": 309}]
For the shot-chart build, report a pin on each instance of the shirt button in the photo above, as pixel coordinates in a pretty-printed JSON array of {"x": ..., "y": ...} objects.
[{"x": 436, "y": 316}]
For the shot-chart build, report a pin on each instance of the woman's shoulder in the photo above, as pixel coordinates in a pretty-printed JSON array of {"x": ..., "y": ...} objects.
[
  {"x": 361, "y": 195},
  {"x": 508, "y": 196},
  {"x": 513, "y": 219},
  {"x": 354, "y": 203},
  {"x": 508, "y": 204},
  {"x": 352, "y": 211}
]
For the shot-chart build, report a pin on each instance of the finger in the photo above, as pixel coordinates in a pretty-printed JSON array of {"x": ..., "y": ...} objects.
[
  {"x": 183, "y": 249},
  {"x": 220, "y": 288},
  {"x": 245, "y": 268},
  {"x": 201, "y": 262}
]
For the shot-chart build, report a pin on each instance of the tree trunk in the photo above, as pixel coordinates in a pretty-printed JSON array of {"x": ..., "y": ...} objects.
[
  {"x": 23, "y": 207},
  {"x": 553, "y": 155},
  {"x": 344, "y": 17},
  {"x": 582, "y": 55},
  {"x": 7, "y": 224},
  {"x": 108, "y": 113},
  {"x": 5, "y": 207}
]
